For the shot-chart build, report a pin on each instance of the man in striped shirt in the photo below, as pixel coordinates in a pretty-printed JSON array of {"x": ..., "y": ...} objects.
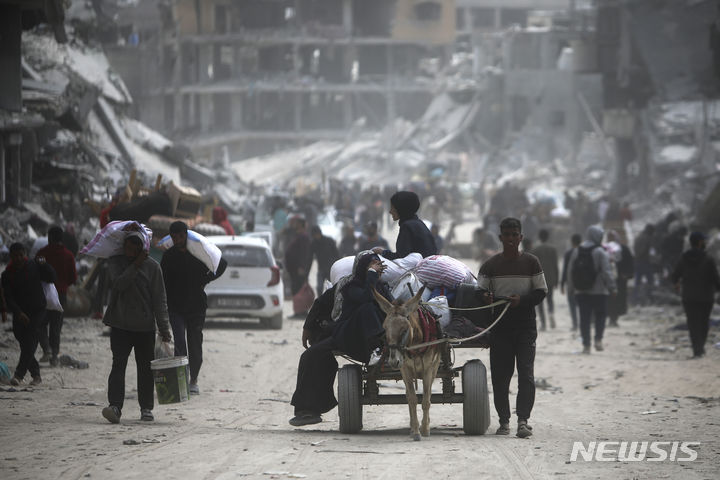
[{"x": 518, "y": 277}]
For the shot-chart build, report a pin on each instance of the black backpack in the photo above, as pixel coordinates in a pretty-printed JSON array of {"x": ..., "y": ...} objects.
[{"x": 583, "y": 269}]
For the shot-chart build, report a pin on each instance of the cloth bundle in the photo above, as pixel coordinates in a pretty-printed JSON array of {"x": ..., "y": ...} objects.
[
  {"x": 395, "y": 268},
  {"x": 443, "y": 271}
]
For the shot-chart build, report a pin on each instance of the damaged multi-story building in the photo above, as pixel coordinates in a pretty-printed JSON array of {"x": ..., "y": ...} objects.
[
  {"x": 256, "y": 75},
  {"x": 18, "y": 145}
]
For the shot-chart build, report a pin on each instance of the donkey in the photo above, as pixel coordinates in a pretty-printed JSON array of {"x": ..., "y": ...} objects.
[{"x": 402, "y": 330}]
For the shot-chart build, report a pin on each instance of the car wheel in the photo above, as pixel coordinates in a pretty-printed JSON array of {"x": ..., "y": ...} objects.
[{"x": 275, "y": 322}]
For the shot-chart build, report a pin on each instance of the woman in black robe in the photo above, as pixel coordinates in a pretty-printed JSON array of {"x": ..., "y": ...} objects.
[{"x": 357, "y": 331}]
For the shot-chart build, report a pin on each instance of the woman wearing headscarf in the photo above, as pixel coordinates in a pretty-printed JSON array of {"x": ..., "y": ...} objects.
[
  {"x": 414, "y": 236},
  {"x": 356, "y": 331}
]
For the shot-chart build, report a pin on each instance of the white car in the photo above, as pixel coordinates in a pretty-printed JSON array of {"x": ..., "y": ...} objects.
[{"x": 251, "y": 286}]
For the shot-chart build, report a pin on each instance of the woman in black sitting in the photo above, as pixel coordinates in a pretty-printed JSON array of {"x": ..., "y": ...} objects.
[{"x": 354, "y": 323}]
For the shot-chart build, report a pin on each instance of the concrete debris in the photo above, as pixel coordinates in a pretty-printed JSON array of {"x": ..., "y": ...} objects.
[{"x": 68, "y": 361}]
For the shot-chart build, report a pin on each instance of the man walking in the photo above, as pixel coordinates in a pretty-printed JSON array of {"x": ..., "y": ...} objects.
[
  {"x": 518, "y": 277},
  {"x": 575, "y": 242},
  {"x": 548, "y": 257},
  {"x": 696, "y": 277},
  {"x": 625, "y": 269},
  {"x": 136, "y": 306},
  {"x": 63, "y": 262},
  {"x": 371, "y": 239},
  {"x": 644, "y": 268},
  {"x": 326, "y": 253},
  {"x": 592, "y": 280},
  {"x": 25, "y": 298},
  {"x": 185, "y": 278}
]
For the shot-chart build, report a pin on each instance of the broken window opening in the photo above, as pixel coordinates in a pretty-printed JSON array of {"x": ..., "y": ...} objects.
[
  {"x": 428, "y": 11},
  {"x": 483, "y": 17},
  {"x": 373, "y": 17}
]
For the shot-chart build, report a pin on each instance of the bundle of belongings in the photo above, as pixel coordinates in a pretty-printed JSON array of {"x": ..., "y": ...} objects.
[
  {"x": 109, "y": 241},
  {"x": 446, "y": 281}
]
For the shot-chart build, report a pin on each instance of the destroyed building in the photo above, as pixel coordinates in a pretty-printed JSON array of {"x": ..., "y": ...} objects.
[{"x": 256, "y": 76}]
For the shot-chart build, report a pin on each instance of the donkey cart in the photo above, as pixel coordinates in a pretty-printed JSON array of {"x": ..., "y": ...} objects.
[
  {"x": 358, "y": 386},
  {"x": 358, "y": 383}
]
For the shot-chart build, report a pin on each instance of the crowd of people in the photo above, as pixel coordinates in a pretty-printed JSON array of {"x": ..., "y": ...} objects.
[{"x": 518, "y": 262}]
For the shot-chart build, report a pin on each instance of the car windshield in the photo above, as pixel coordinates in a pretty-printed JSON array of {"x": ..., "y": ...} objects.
[{"x": 242, "y": 256}]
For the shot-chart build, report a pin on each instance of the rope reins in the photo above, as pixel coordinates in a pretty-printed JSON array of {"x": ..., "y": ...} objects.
[{"x": 466, "y": 339}]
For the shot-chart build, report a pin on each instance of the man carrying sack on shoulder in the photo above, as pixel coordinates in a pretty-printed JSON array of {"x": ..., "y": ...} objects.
[{"x": 137, "y": 304}]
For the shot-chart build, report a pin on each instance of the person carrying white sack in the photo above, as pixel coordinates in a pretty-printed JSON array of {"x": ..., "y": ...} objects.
[
  {"x": 185, "y": 279},
  {"x": 136, "y": 306}
]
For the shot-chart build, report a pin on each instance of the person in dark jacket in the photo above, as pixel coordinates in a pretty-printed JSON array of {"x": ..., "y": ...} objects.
[
  {"x": 325, "y": 252},
  {"x": 547, "y": 255},
  {"x": 347, "y": 242},
  {"x": 371, "y": 239},
  {"x": 185, "y": 278},
  {"x": 298, "y": 258},
  {"x": 414, "y": 236},
  {"x": 62, "y": 261},
  {"x": 345, "y": 318},
  {"x": 625, "y": 270},
  {"x": 696, "y": 277},
  {"x": 25, "y": 298},
  {"x": 575, "y": 242},
  {"x": 137, "y": 305}
]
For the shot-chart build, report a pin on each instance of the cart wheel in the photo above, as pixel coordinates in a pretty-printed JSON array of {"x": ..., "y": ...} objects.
[
  {"x": 476, "y": 403},
  {"x": 349, "y": 393},
  {"x": 275, "y": 322}
]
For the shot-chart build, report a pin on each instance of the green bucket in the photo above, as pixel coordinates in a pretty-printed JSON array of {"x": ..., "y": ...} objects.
[{"x": 171, "y": 379}]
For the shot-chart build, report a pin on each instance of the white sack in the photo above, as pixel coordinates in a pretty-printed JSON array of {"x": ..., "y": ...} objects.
[
  {"x": 52, "y": 300},
  {"x": 407, "y": 286},
  {"x": 439, "y": 306},
  {"x": 199, "y": 247},
  {"x": 109, "y": 241},
  {"x": 395, "y": 268}
]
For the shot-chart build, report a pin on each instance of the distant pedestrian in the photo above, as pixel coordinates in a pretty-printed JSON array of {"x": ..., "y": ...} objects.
[
  {"x": 220, "y": 218},
  {"x": 347, "y": 242},
  {"x": 644, "y": 264},
  {"x": 519, "y": 277},
  {"x": 325, "y": 252},
  {"x": 185, "y": 278},
  {"x": 137, "y": 305},
  {"x": 371, "y": 238},
  {"x": 439, "y": 242},
  {"x": 696, "y": 278},
  {"x": 62, "y": 261},
  {"x": 548, "y": 257},
  {"x": 298, "y": 259},
  {"x": 592, "y": 280},
  {"x": 624, "y": 262},
  {"x": 575, "y": 241},
  {"x": 484, "y": 244},
  {"x": 414, "y": 236},
  {"x": 25, "y": 298}
]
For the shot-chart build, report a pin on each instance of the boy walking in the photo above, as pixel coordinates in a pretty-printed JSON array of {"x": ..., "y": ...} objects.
[{"x": 518, "y": 277}]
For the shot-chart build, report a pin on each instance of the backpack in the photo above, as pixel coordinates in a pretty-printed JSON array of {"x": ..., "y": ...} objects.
[{"x": 583, "y": 269}]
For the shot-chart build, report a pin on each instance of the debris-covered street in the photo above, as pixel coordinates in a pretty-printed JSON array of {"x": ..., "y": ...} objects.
[
  {"x": 641, "y": 388},
  {"x": 204, "y": 204}
]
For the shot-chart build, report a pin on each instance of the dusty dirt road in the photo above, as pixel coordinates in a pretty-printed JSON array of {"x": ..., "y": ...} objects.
[{"x": 638, "y": 389}]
